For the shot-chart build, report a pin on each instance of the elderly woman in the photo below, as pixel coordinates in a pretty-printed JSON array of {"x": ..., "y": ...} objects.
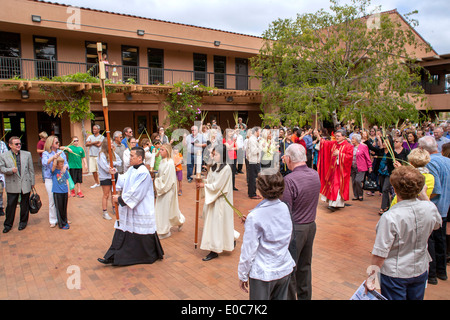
[
  {"x": 419, "y": 158},
  {"x": 400, "y": 248},
  {"x": 360, "y": 165},
  {"x": 265, "y": 260}
]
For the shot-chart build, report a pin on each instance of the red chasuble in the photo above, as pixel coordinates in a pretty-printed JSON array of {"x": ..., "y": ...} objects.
[{"x": 335, "y": 171}]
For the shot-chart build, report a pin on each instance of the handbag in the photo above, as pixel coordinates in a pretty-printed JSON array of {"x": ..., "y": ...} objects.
[
  {"x": 34, "y": 202},
  {"x": 71, "y": 183},
  {"x": 370, "y": 184}
]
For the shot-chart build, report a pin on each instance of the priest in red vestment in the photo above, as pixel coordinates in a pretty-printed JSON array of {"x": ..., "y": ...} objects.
[{"x": 334, "y": 168}]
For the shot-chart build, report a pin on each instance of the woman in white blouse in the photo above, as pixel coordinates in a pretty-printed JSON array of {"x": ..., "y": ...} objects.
[
  {"x": 265, "y": 262},
  {"x": 400, "y": 250}
]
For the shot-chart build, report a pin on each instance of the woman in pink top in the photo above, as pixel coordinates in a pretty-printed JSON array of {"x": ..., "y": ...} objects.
[{"x": 361, "y": 164}]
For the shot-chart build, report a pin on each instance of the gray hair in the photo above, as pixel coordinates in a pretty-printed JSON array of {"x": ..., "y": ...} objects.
[
  {"x": 428, "y": 143},
  {"x": 97, "y": 126},
  {"x": 296, "y": 152},
  {"x": 357, "y": 136},
  {"x": 116, "y": 134},
  {"x": 342, "y": 132},
  {"x": 255, "y": 129}
]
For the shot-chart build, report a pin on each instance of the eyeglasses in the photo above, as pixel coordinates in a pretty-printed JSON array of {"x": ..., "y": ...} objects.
[{"x": 18, "y": 144}]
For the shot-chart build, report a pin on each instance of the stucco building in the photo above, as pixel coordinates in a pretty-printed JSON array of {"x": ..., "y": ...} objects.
[{"x": 43, "y": 39}]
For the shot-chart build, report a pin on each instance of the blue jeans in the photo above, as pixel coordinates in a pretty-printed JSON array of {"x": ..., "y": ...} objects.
[
  {"x": 403, "y": 288},
  {"x": 190, "y": 166}
]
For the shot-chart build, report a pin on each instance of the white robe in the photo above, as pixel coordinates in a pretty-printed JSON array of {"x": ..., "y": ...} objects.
[
  {"x": 218, "y": 228},
  {"x": 138, "y": 216},
  {"x": 166, "y": 207}
]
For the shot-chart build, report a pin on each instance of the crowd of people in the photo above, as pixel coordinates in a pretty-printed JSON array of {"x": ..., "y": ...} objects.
[{"x": 289, "y": 170}]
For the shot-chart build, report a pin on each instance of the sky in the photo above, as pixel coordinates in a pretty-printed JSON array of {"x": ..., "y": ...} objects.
[{"x": 253, "y": 17}]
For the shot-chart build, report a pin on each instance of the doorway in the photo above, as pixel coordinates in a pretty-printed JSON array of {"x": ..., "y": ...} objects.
[
  {"x": 145, "y": 122},
  {"x": 13, "y": 124},
  {"x": 241, "y": 74}
]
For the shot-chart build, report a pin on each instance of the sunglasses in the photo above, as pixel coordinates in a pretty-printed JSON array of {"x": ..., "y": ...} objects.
[{"x": 18, "y": 144}]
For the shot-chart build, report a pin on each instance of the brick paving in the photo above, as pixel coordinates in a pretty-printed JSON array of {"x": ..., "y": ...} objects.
[{"x": 36, "y": 263}]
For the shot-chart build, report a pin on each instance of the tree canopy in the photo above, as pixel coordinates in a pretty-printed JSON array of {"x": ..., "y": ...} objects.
[{"x": 348, "y": 63}]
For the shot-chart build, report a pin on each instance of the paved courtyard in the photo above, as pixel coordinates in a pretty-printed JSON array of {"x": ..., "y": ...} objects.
[{"x": 41, "y": 262}]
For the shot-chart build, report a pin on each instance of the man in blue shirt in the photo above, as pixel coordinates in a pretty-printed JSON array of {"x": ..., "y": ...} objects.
[
  {"x": 440, "y": 138},
  {"x": 439, "y": 167}
]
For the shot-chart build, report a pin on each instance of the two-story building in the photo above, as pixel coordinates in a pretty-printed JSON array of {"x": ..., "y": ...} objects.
[{"x": 43, "y": 39}]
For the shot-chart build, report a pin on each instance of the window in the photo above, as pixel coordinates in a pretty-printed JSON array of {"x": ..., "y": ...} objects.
[
  {"x": 156, "y": 65},
  {"x": 220, "y": 67},
  {"x": 130, "y": 62},
  {"x": 435, "y": 79},
  {"x": 447, "y": 83},
  {"x": 92, "y": 56},
  {"x": 200, "y": 68},
  {"x": 45, "y": 53},
  {"x": 9, "y": 55},
  {"x": 241, "y": 74}
]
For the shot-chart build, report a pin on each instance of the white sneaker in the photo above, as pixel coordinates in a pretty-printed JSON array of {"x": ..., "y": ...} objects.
[
  {"x": 95, "y": 186},
  {"x": 164, "y": 236},
  {"x": 106, "y": 216}
]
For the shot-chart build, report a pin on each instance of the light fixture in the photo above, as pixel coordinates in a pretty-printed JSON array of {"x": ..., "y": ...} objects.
[
  {"x": 230, "y": 99},
  {"x": 25, "y": 94},
  {"x": 217, "y": 43},
  {"x": 140, "y": 32},
  {"x": 128, "y": 96},
  {"x": 35, "y": 18}
]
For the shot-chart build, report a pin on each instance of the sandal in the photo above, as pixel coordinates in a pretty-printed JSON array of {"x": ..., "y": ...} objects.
[{"x": 382, "y": 211}]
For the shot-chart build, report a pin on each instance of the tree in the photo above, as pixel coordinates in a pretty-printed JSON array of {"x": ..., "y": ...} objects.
[
  {"x": 183, "y": 103},
  {"x": 339, "y": 65}
]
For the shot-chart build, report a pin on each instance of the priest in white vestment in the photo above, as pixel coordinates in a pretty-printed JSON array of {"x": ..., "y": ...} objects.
[
  {"x": 135, "y": 239},
  {"x": 218, "y": 228},
  {"x": 167, "y": 211}
]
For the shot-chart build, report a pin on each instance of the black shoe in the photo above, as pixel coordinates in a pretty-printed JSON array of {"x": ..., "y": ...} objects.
[
  {"x": 2, "y": 213},
  {"x": 442, "y": 276},
  {"x": 105, "y": 261},
  {"x": 432, "y": 280},
  {"x": 235, "y": 189},
  {"x": 332, "y": 209},
  {"x": 22, "y": 227},
  {"x": 6, "y": 230},
  {"x": 210, "y": 256}
]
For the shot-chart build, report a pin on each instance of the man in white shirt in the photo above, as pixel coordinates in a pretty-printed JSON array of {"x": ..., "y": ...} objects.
[
  {"x": 194, "y": 142},
  {"x": 94, "y": 142}
]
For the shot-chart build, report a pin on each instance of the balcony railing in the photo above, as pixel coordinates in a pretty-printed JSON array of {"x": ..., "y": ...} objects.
[{"x": 35, "y": 68}]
